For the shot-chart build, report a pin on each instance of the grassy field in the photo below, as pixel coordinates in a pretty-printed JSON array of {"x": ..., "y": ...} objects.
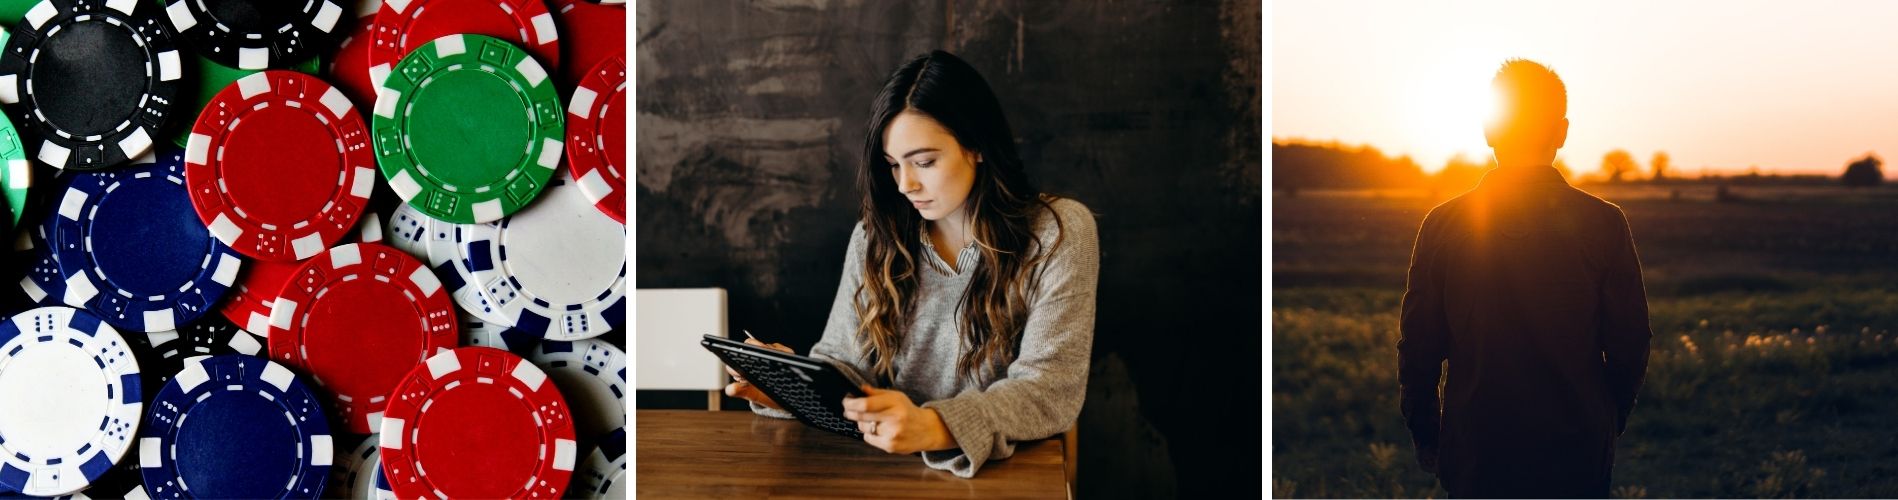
[{"x": 1774, "y": 370}]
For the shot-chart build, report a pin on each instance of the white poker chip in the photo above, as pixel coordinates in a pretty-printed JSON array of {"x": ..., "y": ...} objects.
[
  {"x": 358, "y": 474},
  {"x": 557, "y": 267},
  {"x": 592, "y": 375},
  {"x": 446, "y": 259},
  {"x": 70, "y": 400},
  {"x": 603, "y": 474}
]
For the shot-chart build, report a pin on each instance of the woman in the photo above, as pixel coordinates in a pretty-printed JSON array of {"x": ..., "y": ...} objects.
[{"x": 964, "y": 287}]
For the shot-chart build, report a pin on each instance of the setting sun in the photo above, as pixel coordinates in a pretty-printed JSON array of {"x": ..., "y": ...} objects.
[{"x": 1450, "y": 102}]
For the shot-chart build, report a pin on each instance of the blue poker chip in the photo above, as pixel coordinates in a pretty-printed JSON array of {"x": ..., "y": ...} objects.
[
  {"x": 69, "y": 404},
  {"x": 223, "y": 414},
  {"x": 132, "y": 250}
]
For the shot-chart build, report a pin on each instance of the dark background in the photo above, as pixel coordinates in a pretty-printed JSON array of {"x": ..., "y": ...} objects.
[{"x": 751, "y": 115}]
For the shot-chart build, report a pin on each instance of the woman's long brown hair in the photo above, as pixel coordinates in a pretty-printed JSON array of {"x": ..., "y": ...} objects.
[{"x": 1002, "y": 206}]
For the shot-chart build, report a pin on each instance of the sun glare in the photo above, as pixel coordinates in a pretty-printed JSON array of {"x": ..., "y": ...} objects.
[{"x": 1452, "y": 102}]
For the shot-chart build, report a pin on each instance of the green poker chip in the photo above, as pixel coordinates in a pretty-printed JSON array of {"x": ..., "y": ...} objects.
[
  {"x": 16, "y": 173},
  {"x": 208, "y": 78},
  {"x": 468, "y": 128}
]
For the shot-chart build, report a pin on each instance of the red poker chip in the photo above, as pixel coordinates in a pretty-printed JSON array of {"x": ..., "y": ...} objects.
[
  {"x": 248, "y": 303},
  {"x": 589, "y": 33},
  {"x": 358, "y": 318},
  {"x": 402, "y": 26},
  {"x": 477, "y": 422},
  {"x": 279, "y": 165},
  {"x": 349, "y": 68},
  {"x": 596, "y": 136}
]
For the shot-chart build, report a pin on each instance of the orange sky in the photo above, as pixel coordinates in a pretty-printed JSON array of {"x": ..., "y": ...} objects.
[{"x": 1785, "y": 86}]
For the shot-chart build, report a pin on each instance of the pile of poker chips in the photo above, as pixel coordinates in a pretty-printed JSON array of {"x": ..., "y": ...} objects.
[{"x": 279, "y": 249}]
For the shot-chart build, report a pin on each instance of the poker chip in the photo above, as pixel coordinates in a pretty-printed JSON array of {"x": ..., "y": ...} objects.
[
  {"x": 402, "y": 26},
  {"x": 256, "y": 35},
  {"x": 133, "y": 252},
  {"x": 16, "y": 174},
  {"x": 596, "y": 137},
  {"x": 96, "y": 94},
  {"x": 349, "y": 68},
  {"x": 356, "y": 319},
  {"x": 43, "y": 283},
  {"x": 249, "y": 301},
  {"x": 469, "y": 128},
  {"x": 358, "y": 474},
  {"x": 168, "y": 350},
  {"x": 590, "y": 33},
  {"x": 69, "y": 400},
  {"x": 603, "y": 474},
  {"x": 279, "y": 166},
  {"x": 476, "y": 332},
  {"x": 526, "y": 446},
  {"x": 557, "y": 268},
  {"x": 209, "y": 78},
  {"x": 223, "y": 414},
  {"x": 592, "y": 375},
  {"x": 407, "y": 230}
]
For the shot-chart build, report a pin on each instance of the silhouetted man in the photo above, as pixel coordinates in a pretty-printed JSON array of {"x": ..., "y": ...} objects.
[{"x": 1532, "y": 292}]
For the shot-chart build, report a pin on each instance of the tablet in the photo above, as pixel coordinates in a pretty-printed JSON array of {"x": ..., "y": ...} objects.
[{"x": 812, "y": 389}]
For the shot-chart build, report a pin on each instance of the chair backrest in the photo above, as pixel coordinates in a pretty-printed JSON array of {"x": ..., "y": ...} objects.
[{"x": 670, "y": 323}]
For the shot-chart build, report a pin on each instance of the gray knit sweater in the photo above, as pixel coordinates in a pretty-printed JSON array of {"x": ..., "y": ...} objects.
[{"x": 1039, "y": 393}]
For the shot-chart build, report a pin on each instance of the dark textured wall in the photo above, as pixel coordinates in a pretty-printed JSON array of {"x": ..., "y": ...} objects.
[{"x": 750, "y": 115}]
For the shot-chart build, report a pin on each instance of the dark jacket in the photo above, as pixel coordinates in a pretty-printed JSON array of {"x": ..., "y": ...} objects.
[{"x": 1532, "y": 292}]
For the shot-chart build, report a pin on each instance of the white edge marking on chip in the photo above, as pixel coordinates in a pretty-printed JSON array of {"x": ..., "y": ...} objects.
[
  {"x": 563, "y": 452},
  {"x": 180, "y": 14},
  {"x": 136, "y": 143},
  {"x": 322, "y": 451},
  {"x": 32, "y": 288},
  {"x": 169, "y": 67},
  {"x": 327, "y": 15},
  {"x": 282, "y": 312},
  {"x": 594, "y": 186},
  {"x": 79, "y": 290},
  {"x": 375, "y": 420},
  {"x": 259, "y": 324},
  {"x": 425, "y": 280},
  {"x": 385, "y": 101},
  {"x": 544, "y": 29},
  {"x": 158, "y": 321},
  {"x": 227, "y": 266},
  {"x": 550, "y": 153},
  {"x": 72, "y": 203},
  {"x": 582, "y": 102},
  {"x": 40, "y": 13},
  {"x": 370, "y": 229},
  {"x": 364, "y": 185},
  {"x": 19, "y": 174},
  {"x": 336, "y": 102},
  {"x": 151, "y": 452},
  {"x": 398, "y": 5},
  {"x": 123, "y": 6},
  {"x": 378, "y": 74},
  {"x": 244, "y": 344},
  {"x": 54, "y": 154},
  {"x": 442, "y": 364},
  {"x": 10, "y": 88},
  {"x": 535, "y": 74},
  {"x": 529, "y": 375},
  {"x": 391, "y": 433},
  {"x": 198, "y": 149},
  {"x": 253, "y": 84},
  {"x": 404, "y": 185},
  {"x": 487, "y": 211},
  {"x": 192, "y": 375},
  {"x": 345, "y": 256},
  {"x": 305, "y": 247},
  {"x": 253, "y": 58},
  {"x": 449, "y": 45},
  {"x": 278, "y": 376},
  {"x": 225, "y": 230}
]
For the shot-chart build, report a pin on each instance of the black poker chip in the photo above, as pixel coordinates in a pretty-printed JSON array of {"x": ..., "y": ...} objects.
[
  {"x": 257, "y": 35},
  {"x": 89, "y": 83}
]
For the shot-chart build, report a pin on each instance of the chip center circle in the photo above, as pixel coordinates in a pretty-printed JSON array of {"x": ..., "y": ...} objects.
[
  {"x": 90, "y": 63},
  {"x": 477, "y": 440},
  {"x": 134, "y": 215},
  {"x": 548, "y": 248},
  {"x": 281, "y": 165},
  {"x": 469, "y": 128},
  {"x": 268, "y": 453},
  {"x": 362, "y": 336},
  {"x": 55, "y": 398}
]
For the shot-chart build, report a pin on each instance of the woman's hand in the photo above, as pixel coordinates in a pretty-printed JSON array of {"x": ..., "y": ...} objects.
[
  {"x": 741, "y": 388},
  {"x": 891, "y": 422}
]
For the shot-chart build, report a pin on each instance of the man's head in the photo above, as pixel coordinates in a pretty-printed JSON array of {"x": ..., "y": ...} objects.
[{"x": 1531, "y": 117}]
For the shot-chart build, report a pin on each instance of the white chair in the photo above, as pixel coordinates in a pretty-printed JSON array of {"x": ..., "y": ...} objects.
[{"x": 669, "y": 324}]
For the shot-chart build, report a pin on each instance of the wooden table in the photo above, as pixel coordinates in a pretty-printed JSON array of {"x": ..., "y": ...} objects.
[{"x": 738, "y": 454}]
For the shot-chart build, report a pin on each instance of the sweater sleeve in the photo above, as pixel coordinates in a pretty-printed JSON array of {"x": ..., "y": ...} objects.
[
  {"x": 840, "y": 332},
  {"x": 1042, "y": 391}
]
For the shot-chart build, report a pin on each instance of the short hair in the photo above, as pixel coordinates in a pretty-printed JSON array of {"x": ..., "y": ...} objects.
[{"x": 1530, "y": 100}]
